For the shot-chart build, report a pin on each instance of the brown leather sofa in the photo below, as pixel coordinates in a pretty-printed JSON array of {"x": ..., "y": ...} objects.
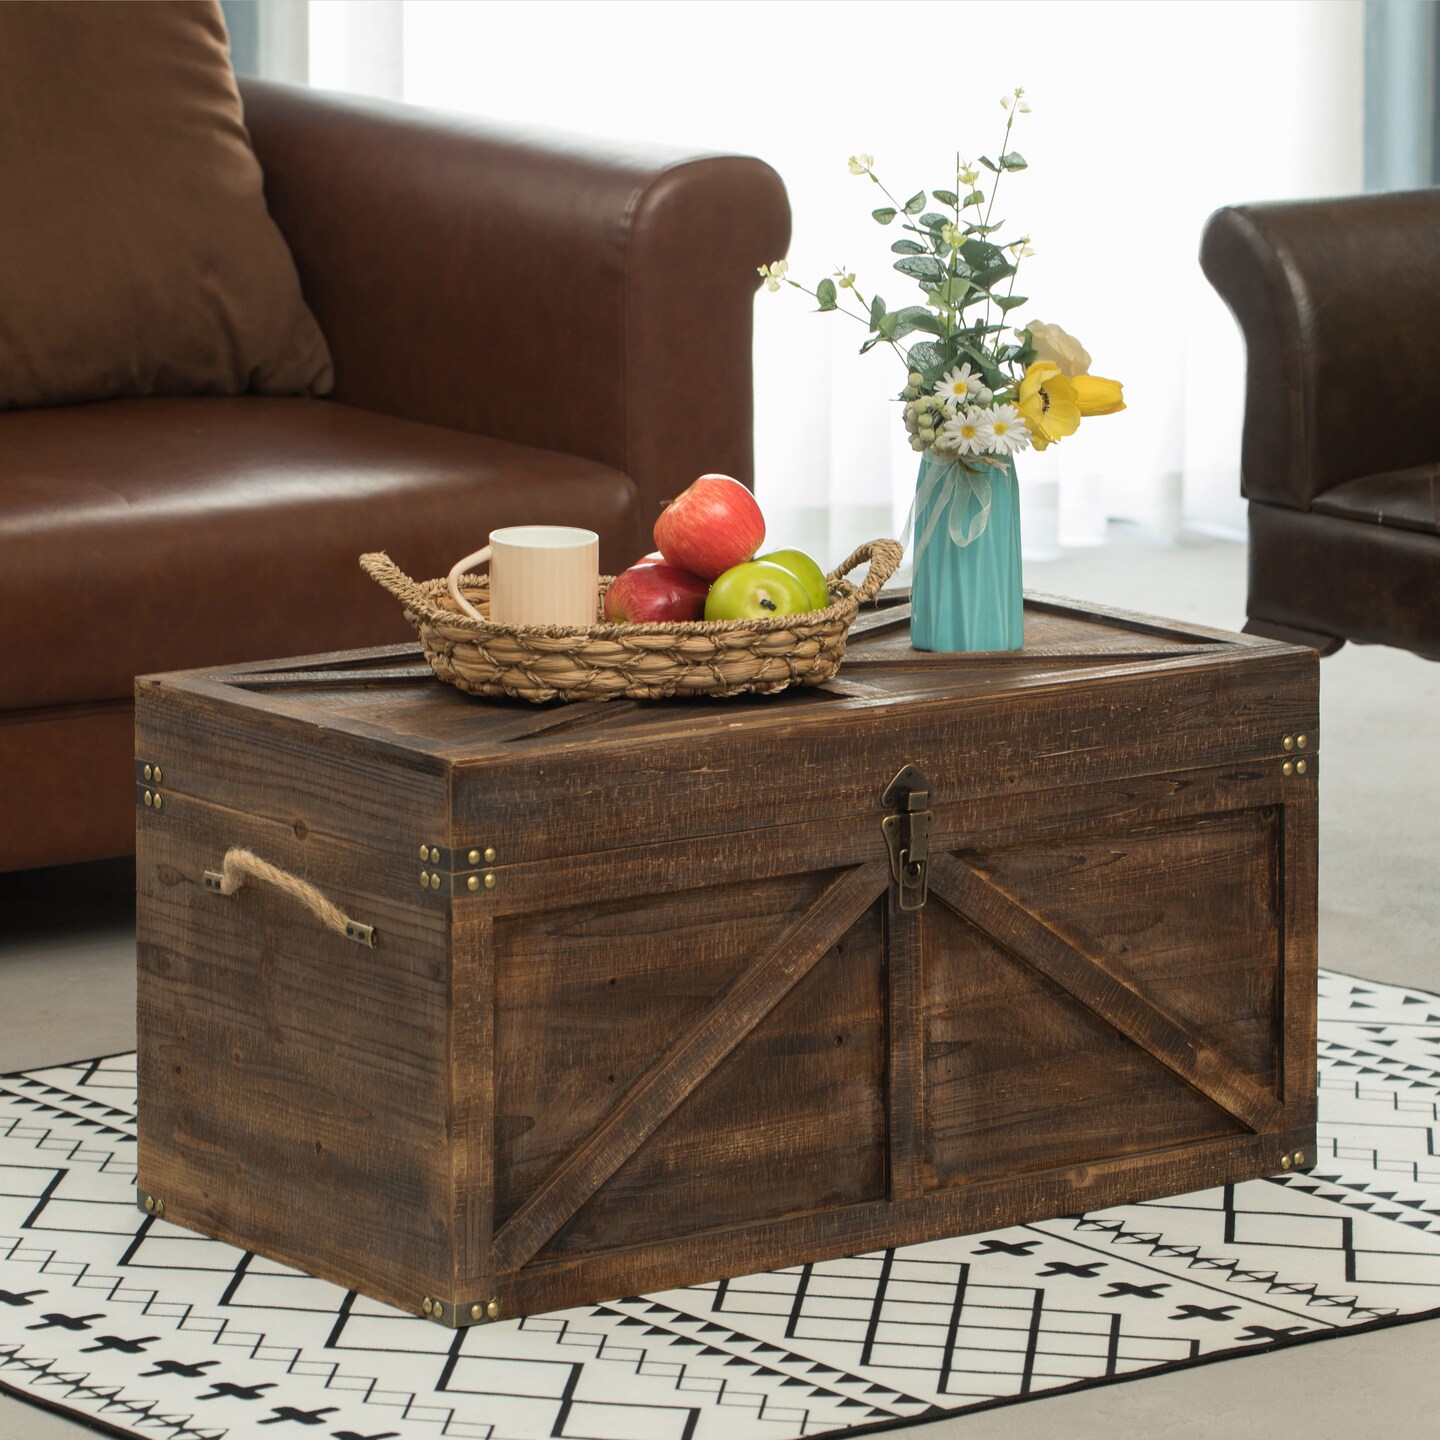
[
  {"x": 1339, "y": 301},
  {"x": 523, "y": 329}
]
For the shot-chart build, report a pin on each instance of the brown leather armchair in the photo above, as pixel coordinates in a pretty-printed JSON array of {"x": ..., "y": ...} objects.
[
  {"x": 1339, "y": 302},
  {"x": 523, "y": 327}
]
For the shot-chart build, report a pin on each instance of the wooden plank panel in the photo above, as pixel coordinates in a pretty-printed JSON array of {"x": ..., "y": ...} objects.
[
  {"x": 694, "y": 1055},
  {"x": 1176, "y": 1046},
  {"x": 1187, "y": 912},
  {"x": 855, "y": 1230},
  {"x": 905, "y": 1049},
  {"x": 1299, "y": 850},
  {"x": 471, "y": 1106},
  {"x": 793, "y": 1119},
  {"x": 591, "y": 993},
  {"x": 1020, "y": 1077},
  {"x": 292, "y": 1086},
  {"x": 721, "y": 777}
]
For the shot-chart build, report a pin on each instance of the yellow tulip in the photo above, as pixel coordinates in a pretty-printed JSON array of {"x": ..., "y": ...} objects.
[
  {"x": 1097, "y": 396},
  {"x": 1047, "y": 401}
]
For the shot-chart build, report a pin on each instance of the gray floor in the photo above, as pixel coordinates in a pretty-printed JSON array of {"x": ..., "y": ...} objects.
[{"x": 67, "y": 973}]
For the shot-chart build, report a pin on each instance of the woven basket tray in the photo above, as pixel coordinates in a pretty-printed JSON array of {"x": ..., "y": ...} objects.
[{"x": 640, "y": 662}]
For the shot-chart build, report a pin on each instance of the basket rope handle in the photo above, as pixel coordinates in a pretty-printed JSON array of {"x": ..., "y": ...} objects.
[
  {"x": 241, "y": 865},
  {"x": 884, "y": 557},
  {"x": 386, "y": 573}
]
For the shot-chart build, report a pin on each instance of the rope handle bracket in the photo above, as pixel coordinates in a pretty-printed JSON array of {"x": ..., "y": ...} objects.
[{"x": 242, "y": 865}]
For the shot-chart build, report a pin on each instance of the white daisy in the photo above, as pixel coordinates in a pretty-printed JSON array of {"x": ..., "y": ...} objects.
[
  {"x": 958, "y": 386},
  {"x": 967, "y": 432},
  {"x": 1004, "y": 431}
]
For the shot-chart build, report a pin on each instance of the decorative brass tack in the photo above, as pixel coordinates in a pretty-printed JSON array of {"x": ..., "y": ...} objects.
[
  {"x": 490, "y": 880},
  {"x": 476, "y": 1312},
  {"x": 1299, "y": 767},
  {"x": 148, "y": 772},
  {"x": 1299, "y": 1157},
  {"x": 149, "y": 798},
  {"x": 159, "y": 799},
  {"x": 1288, "y": 768},
  {"x": 1284, "y": 1162},
  {"x": 1300, "y": 740},
  {"x": 489, "y": 854},
  {"x": 493, "y": 1309},
  {"x": 474, "y": 857},
  {"x": 424, "y": 852},
  {"x": 434, "y": 879},
  {"x": 150, "y": 1203},
  {"x": 1288, "y": 742},
  {"x": 439, "y": 1311},
  {"x": 427, "y": 1304},
  {"x": 473, "y": 883},
  {"x": 158, "y": 776},
  {"x": 424, "y": 879}
]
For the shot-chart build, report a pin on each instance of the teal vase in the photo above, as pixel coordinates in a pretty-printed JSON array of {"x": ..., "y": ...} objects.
[{"x": 966, "y": 589}]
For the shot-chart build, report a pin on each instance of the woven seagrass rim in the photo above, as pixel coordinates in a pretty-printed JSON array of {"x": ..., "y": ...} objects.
[{"x": 649, "y": 661}]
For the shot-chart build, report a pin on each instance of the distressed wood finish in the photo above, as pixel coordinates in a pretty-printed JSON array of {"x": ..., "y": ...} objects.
[{"x": 649, "y": 1010}]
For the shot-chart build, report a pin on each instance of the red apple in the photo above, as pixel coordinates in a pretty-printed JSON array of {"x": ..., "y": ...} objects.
[
  {"x": 710, "y": 527},
  {"x": 653, "y": 558},
  {"x": 646, "y": 593}
]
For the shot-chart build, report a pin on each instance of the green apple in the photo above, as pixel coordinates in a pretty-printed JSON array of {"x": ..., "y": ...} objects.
[
  {"x": 810, "y": 575},
  {"x": 756, "y": 590}
]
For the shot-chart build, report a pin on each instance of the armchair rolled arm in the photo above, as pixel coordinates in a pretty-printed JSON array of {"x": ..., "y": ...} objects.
[
  {"x": 1339, "y": 302},
  {"x": 590, "y": 298}
]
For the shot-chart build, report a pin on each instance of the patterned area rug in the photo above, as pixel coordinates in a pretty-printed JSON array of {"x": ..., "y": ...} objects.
[{"x": 141, "y": 1328}]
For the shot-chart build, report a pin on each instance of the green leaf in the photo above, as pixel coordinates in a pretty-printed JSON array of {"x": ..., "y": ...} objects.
[
  {"x": 946, "y": 197},
  {"x": 1013, "y": 160},
  {"x": 916, "y": 203},
  {"x": 884, "y": 216},
  {"x": 921, "y": 267},
  {"x": 1009, "y": 302},
  {"x": 989, "y": 164},
  {"x": 887, "y": 327},
  {"x": 933, "y": 220},
  {"x": 825, "y": 294},
  {"x": 975, "y": 197},
  {"x": 928, "y": 358},
  {"x": 871, "y": 343},
  {"x": 918, "y": 317},
  {"x": 908, "y": 247},
  {"x": 877, "y": 311}
]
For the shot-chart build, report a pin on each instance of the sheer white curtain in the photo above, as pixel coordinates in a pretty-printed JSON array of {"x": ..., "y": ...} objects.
[{"x": 1146, "y": 117}]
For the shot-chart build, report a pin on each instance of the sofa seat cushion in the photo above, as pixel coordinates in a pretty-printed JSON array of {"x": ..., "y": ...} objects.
[
  {"x": 145, "y": 535},
  {"x": 1403, "y": 499}
]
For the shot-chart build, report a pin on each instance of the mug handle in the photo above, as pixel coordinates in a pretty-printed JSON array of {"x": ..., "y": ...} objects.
[{"x": 452, "y": 581}]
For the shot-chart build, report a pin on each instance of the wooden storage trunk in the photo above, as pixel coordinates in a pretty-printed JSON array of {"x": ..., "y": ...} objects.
[{"x": 667, "y": 992}]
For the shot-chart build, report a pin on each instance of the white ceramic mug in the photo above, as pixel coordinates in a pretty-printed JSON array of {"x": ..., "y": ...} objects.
[{"x": 539, "y": 575}]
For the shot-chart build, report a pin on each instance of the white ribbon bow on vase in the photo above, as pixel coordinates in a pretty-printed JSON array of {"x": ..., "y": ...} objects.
[{"x": 950, "y": 485}]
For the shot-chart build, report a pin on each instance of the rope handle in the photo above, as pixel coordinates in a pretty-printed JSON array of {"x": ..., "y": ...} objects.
[
  {"x": 884, "y": 557},
  {"x": 240, "y": 865}
]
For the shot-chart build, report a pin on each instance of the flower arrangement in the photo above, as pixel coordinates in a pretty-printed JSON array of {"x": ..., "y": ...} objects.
[{"x": 971, "y": 395}]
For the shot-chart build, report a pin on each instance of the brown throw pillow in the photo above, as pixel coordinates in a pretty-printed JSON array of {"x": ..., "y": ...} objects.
[{"x": 136, "y": 253}]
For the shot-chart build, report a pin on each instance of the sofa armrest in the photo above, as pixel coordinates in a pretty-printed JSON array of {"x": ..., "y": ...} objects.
[
  {"x": 1339, "y": 302},
  {"x": 551, "y": 290}
]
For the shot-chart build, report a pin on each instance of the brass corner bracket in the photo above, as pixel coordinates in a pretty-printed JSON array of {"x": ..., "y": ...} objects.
[{"x": 458, "y": 1317}]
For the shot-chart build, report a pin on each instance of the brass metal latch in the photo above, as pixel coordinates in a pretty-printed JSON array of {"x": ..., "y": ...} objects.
[{"x": 908, "y": 834}]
